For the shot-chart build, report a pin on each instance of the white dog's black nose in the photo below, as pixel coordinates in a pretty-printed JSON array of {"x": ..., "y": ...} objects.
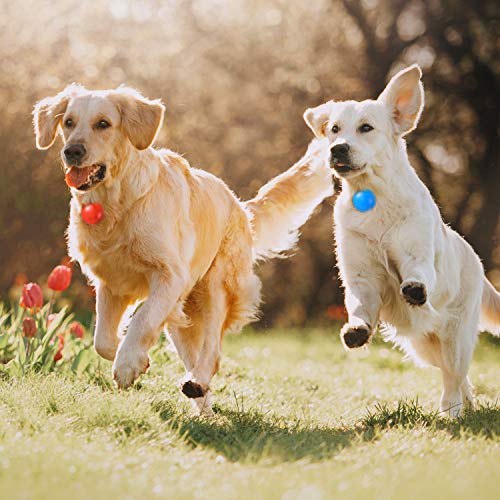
[
  {"x": 340, "y": 151},
  {"x": 74, "y": 153}
]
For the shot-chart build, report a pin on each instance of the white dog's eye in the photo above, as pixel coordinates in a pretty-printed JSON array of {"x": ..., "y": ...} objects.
[
  {"x": 366, "y": 127},
  {"x": 103, "y": 124},
  {"x": 335, "y": 129},
  {"x": 68, "y": 123}
]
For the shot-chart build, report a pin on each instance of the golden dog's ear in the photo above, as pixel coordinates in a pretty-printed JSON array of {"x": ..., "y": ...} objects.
[
  {"x": 317, "y": 118},
  {"x": 47, "y": 116},
  {"x": 141, "y": 117},
  {"x": 404, "y": 96}
]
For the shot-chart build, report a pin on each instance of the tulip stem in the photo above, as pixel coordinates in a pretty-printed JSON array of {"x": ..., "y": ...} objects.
[
  {"x": 51, "y": 304},
  {"x": 28, "y": 345}
]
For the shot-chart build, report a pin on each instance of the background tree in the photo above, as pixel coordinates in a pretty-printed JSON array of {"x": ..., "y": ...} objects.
[{"x": 236, "y": 76}]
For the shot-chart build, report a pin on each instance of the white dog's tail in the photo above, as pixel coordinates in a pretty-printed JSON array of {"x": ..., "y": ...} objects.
[
  {"x": 287, "y": 201},
  {"x": 490, "y": 309}
]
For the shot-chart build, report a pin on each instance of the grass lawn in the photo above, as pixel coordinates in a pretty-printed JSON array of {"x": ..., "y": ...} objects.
[{"x": 297, "y": 417}]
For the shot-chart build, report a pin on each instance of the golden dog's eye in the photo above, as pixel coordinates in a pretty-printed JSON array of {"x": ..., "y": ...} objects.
[
  {"x": 102, "y": 124},
  {"x": 335, "y": 129},
  {"x": 366, "y": 127},
  {"x": 68, "y": 123}
]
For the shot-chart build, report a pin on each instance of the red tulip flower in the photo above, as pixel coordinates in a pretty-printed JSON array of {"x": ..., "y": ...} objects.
[
  {"x": 66, "y": 261},
  {"x": 29, "y": 327},
  {"x": 76, "y": 329},
  {"x": 31, "y": 297},
  {"x": 58, "y": 355},
  {"x": 59, "y": 278}
]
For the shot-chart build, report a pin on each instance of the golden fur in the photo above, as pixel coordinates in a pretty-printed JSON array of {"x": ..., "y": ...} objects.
[{"x": 173, "y": 236}]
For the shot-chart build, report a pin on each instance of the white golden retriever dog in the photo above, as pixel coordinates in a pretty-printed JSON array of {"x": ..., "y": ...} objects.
[
  {"x": 173, "y": 236},
  {"x": 399, "y": 262}
]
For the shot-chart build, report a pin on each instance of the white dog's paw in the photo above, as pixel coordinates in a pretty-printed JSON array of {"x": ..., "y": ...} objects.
[
  {"x": 354, "y": 336},
  {"x": 414, "y": 292},
  {"x": 192, "y": 388},
  {"x": 128, "y": 366}
]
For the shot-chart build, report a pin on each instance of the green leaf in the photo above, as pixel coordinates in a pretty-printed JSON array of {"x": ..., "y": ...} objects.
[
  {"x": 21, "y": 352},
  {"x": 81, "y": 361},
  {"x": 14, "y": 368}
]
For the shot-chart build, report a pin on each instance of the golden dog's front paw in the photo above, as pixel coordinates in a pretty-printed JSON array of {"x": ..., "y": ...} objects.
[
  {"x": 355, "y": 336},
  {"x": 128, "y": 366}
]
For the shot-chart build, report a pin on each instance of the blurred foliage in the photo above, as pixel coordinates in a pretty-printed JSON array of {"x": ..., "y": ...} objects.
[{"x": 236, "y": 77}]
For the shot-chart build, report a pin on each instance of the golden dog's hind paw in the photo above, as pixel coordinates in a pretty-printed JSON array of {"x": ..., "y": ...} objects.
[
  {"x": 192, "y": 389},
  {"x": 203, "y": 405},
  {"x": 355, "y": 336}
]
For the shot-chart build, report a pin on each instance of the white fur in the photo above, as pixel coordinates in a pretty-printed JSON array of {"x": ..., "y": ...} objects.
[{"x": 403, "y": 240}]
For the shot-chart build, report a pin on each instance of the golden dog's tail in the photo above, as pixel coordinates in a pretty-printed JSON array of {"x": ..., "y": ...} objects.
[
  {"x": 490, "y": 309},
  {"x": 285, "y": 203}
]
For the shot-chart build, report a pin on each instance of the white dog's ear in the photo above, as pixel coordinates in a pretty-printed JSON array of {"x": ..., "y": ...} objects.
[
  {"x": 141, "y": 117},
  {"x": 404, "y": 96},
  {"x": 317, "y": 118}
]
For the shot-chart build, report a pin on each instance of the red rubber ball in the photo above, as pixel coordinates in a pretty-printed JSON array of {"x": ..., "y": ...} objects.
[{"x": 92, "y": 213}]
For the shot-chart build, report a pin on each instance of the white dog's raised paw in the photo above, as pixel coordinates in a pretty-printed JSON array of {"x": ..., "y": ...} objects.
[
  {"x": 355, "y": 336},
  {"x": 414, "y": 293},
  {"x": 127, "y": 368}
]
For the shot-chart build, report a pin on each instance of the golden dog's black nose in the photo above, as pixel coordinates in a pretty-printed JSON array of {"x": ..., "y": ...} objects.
[{"x": 74, "y": 153}]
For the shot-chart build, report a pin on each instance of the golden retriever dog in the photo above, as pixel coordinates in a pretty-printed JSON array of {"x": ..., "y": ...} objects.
[
  {"x": 399, "y": 262},
  {"x": 173, "y": 236}
]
